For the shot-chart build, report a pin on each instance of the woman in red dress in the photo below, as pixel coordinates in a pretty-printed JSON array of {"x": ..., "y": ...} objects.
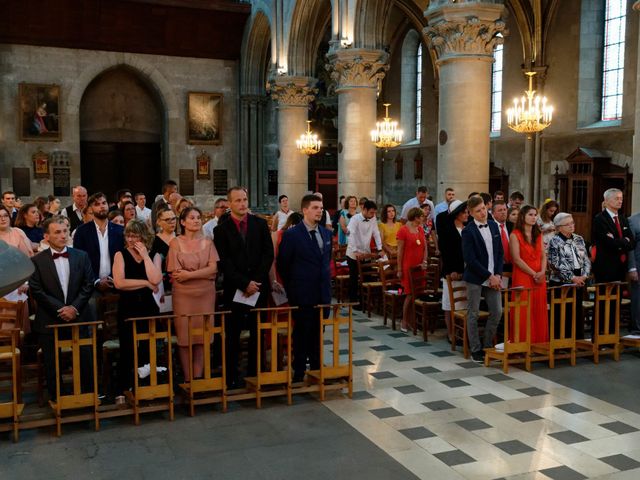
[
  {"x": 529, "y": 267},
  {"x": 412, "y": 251}
]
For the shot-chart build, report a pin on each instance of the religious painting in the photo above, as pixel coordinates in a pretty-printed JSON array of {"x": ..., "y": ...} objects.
[
  {"x": 203, "y": 162},
  {"x": 39, "y": 112},
  {"x": 204, "y": 113},
  {"x": 40, "y": 164}
]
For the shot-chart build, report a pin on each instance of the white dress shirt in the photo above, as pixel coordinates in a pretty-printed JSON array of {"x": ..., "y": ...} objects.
[
  {"x": 488, "y": 242},
  {"x": 360, "y": 231},
  {"x": 143, "y": 213},
  {"x": 412, "y": 203},
  {"x": 76, "y": 210},
  {"x": 63, "y": 269},
  {"x": 208, "y": 227},
  {"x": 105, "y": 258}
]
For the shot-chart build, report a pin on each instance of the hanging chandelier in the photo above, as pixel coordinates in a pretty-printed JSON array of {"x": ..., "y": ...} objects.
[
  {"x": 308, "y": 142},
  {"x": 387, "y": 134},
  {"x": 531, "y": 114}
]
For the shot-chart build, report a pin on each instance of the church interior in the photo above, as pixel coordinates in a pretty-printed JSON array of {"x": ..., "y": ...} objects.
[{"x": 216, "y": 93}]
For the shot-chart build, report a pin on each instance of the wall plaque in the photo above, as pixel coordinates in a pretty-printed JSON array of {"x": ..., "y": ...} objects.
[
  {"x": 40, "y": 164},
  {"x": 220, "y": 182},
  {"x": 186, "y": 181},
  {"x": 21, "y": 181},
  {"x": 61, "y": 173}
]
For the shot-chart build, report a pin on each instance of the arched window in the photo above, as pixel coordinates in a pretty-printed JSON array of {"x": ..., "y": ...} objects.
[
  {"x": 411, "y": 82},
  {"x": 496, "y": 90},
  {"x": 613, "y": 59}
]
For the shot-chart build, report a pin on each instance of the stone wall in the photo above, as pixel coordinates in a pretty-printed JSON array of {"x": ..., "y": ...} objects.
[{"x": 171, "y": 78}]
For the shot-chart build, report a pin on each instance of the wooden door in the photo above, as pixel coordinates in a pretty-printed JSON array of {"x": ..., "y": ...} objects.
[{"x": 327, "y": 184}]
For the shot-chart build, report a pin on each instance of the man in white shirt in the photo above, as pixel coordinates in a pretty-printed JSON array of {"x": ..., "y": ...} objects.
[
  {"x": 361, "y": 229},
  {"x": 421, "y": 197},
  {"x": 142, "y": 212},
  {"x": 74, "y": 211},
  {"x": 219, "y": 207}
]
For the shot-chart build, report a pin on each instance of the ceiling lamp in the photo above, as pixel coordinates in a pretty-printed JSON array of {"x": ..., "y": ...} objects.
[
  {"x": 531, "y": 114},
  {"x": 387, "y": 134},
  {"x": 308, "y": 142}
]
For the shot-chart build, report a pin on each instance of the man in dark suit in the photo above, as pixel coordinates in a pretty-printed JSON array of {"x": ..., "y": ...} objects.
[
  {"x": 61, "y": 285},
  {"x": 246, "y": 255},
  {"x": 483, "y": 258},
  {"x": 74, "y": 211},
  {"x": 505, "y": 227},
  {"x": 101, "y": 239},
  {"x": 634, "y": 285},
  {"x": 304, "y": 265}
]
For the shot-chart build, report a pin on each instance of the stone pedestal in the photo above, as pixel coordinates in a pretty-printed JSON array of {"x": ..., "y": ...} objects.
[
  {"x": 635, "y": 166},
  {"x": 293, "y": 95},
  {"x": 463, "y": 36},
  {"x": 357, "y": 73}
]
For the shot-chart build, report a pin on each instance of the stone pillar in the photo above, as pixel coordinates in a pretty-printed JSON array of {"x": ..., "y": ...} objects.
[
  {"x": 293, "y": 95},
  {"x": 357, "y": 73},
  {"x": 635, "y": 165},
  {"x": 250, "y": 168},
  {"x": 463, "y": 36}
]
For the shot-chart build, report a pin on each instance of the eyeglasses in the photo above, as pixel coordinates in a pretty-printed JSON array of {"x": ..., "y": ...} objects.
[
  {"x": 172, "y": 219},
  {"x": 570, "y": 224}
]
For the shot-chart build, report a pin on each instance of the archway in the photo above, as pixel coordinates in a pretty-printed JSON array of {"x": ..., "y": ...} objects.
[{"x": 121, "y": 134}]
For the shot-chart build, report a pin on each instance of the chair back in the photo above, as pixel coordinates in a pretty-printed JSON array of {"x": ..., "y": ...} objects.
[
  {"x": 272, "y": 322},
  {"x": 457, "y": 294},
  {"x": 368, "y": 268},
  {"x": 107, "y": 312},
  {"x": 211, "y": 330},
  {"x": 607, "y": 311},
  {"x": 389, "y": 274},
  {"x": 517, "y": 304},
  {"x": 9, "y": 352},
  {"x": 563, "y": 301},
  {"x": 12, "y": 314}
]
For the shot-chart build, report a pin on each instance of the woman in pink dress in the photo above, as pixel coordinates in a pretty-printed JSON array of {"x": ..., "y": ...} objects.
[
  {"x": 193, "y": 264},
  {"x": 529, "y": 268},
  {"x": 412, "y": 251}
]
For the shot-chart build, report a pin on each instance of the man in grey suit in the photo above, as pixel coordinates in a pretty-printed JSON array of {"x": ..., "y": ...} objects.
[
  {"x": 61, "y": 285},
  {"x": 634, "y": 285}
]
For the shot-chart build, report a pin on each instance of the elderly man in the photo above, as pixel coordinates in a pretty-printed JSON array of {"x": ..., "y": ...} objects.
[{"x": 74, "y": 211}]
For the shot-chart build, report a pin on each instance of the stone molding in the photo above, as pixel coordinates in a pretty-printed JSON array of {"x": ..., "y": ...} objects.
[
  {"x": 291, "y": 91},
  {"x": 464, "y": 29},
  {"x": 357, "y": 68}
]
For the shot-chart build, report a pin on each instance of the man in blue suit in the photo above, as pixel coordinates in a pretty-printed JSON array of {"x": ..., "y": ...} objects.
[
  {"x": 483, "y": 258},
  {"x": 303, "y": 264},
  {"x": 101, "y": 239}
]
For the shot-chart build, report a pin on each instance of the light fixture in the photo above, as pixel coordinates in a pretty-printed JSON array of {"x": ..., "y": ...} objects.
[
  {"x": 308, "y": 142},
  {"x": 531, "y": 114},
  {"x": 387, "y": 134}
]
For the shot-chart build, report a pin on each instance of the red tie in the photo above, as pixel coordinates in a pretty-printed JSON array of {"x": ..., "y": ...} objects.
[
  {"x": 58, "y": 255},
  {"x": 505, "y": 244},
  {"x": 623, "y": 257}
]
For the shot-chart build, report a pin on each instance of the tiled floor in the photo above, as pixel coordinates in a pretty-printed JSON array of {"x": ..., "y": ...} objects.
[{"x": 444, "y": 417}]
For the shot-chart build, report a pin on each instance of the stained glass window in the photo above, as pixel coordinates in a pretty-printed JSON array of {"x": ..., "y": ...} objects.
[
  {"x": 613, "y": 59},
  {"x": 496, "y": 90},
  {"x": 418, "y": 91}
]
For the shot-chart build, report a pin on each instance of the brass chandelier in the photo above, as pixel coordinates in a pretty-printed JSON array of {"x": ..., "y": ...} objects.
[
  {"x": 308, "y": 142},
  {"x": 387, "y": 134},
  {"x": 531, "y": 114}
]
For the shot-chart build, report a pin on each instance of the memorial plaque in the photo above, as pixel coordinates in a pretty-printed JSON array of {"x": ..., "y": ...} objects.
[
  {"x": 185, "y": 176},
  {"x": 61, "y": 182},
  {"x": 21, "y": 181},
  {"x": 272, "y": 177},
  {"x": 220, "y": 182}
]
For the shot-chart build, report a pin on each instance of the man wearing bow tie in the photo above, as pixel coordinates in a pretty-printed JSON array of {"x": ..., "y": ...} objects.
[
  {"x": 361, "y": 229},
  {"x": 483, "y": 258},
  {"x": 61, "y": 285}
]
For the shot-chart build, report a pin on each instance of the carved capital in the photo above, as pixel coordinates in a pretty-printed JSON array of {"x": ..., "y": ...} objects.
[
  {"x": 464, "y": 29},
  {"x": 357, "y": 67},
  {"x": 290, "y": 91}
]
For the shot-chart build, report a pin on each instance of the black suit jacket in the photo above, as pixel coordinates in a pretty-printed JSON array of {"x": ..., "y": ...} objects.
[
  {"x": 244, "y": 260},
  {"x": 608, "y": 266},
  {"x": 86, "y": 238},
  {"x": 47, "y": 291},
  {"x": 476, "y": 257},
  {"x": 450, "y": 246},
  {"x": 74, "y": 221}
]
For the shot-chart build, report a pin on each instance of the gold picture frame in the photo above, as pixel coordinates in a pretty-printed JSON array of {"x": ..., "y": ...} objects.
[
  {"x": 41, "y": 168},
  {"x": 203, "y": 163},
  {"x": 39, "y": 112},
  {"x": 204, "y": 115}
]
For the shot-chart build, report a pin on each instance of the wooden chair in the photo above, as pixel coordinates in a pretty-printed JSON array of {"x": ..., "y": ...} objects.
[
  {"x": 606, "y": 315},
  {"x": 212, "y": 325},
  {"x": 155, "y": 390},
  {"x": 10, "y": 315},
  {"x": 336, "y": 374},
  {"x": 10, "y": 353},
  {"x": 107, "y": 312},
  {"x": 563, "y": 300},
  {"x": 76, "y": 399},
  {"x": 392, "y": 298},
  {"x": 458, "y": 294},
  {"x": 426, "y": 302},
  {"x": 341, "y": 280},
  {"x": 515, "y": 299},
  {"x": 370, "y": 284},
  {"x": 272, "y": 322}
]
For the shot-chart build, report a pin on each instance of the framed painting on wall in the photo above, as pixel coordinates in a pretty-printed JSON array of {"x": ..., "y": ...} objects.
[
  {"x": 204, "y": 113},
  {"x": 39, "y": 112}
]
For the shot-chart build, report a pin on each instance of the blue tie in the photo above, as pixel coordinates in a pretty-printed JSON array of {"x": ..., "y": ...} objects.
[{"x": 314, "y": 237}]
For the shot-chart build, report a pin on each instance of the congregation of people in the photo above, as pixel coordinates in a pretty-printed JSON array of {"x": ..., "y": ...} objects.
[{"x": 175, "y": 257}]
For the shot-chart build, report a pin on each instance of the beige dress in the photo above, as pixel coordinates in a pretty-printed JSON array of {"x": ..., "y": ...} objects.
[{"x": 193, "y": 296}]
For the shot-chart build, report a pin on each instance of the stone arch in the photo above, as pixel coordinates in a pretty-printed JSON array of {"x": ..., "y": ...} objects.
[
  {"x": 370, "y": 23},
  {"x": 254, "y": 65},
  {"x": 310, "y": 19}
]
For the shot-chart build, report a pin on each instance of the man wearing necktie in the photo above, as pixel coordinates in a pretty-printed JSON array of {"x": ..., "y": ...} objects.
[
  {"x": 613, "y": 241},
  {"x": 303, "y": 263},
  {"x": 61, "y": 285},
  {"x": 500, "y": 217}
]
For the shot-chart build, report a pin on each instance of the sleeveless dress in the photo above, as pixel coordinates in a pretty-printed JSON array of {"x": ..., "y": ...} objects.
[
  {"x": 413, "y": 253},
  {"x": 532, "y": 256},
  {"x": 193, "y": 296},
  {"x": 132, "y": 304}
]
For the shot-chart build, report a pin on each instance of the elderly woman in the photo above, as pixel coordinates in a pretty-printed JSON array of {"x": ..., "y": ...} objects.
[{"x": 569, "y": 263}]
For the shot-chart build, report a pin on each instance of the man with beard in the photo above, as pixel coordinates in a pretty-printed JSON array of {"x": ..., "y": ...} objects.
[{"x": 101, "y": 239}]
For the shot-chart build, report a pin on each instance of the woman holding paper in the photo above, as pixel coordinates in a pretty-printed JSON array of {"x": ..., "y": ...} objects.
[{"x": 193, "y": 264}]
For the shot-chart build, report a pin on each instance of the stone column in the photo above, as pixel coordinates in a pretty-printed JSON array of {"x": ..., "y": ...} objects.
[
  {"x": 357, "y": 73},
  {"x": 293, "y": 95},
  {"x": 250, "y": 166},
  {"x": 463, "y": 36},
  {"x": 635, "y": 165}
]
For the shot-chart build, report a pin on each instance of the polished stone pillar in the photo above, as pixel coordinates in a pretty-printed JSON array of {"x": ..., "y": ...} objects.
[
  {"x": 635, "y": 166},
  {"x": 293, "y": 95},
  {"x": 463, "y": 36},
  {"x": 251, "y": 166},
  {"x": 357, "y": 73}
]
